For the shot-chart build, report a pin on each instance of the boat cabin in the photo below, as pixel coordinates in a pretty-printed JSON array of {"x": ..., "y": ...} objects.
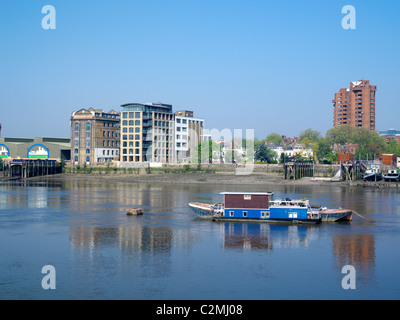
[
  {"x": 261, "y": 206},
  {"x": 246, "y": 205}
]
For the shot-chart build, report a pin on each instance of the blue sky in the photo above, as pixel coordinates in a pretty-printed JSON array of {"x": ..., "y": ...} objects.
[{"x": 272, "y": 66}]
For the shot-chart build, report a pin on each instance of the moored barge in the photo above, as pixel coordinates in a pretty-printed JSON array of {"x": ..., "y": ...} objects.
[
  {"x": 260, "y": 207},
  {"x": 257, "y": 207}
]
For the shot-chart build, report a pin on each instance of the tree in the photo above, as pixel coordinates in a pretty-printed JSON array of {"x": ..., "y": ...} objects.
[
  {"x": 369, "y": 142},
  {"x": 310, "y": 134},
  {"x": 265, "y": 154},
  {"x": 310, "y": 144},
  {"x": 275, "y": 138},
  {"x": 324, "y": 149},
  {"x": 206, "y": 152},
  {"x": 393, "y": 147},
  {"x": 340, "y": 135}
]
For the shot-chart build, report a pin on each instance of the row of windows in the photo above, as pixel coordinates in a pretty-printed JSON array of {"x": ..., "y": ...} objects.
[
  {"x": 87, "y": 126},
  {"x": 184, "y": 121},
  {"x": 264, "y": 214},
  {"x": 137, "y": 151},
  {"x": 105, "y": 124},
  {"x": 125, "y": 144},
  {"x": 105, "y": 152},
  {"x": 131, "y": 130},
  {"x": 183, "y": 144},
  {"x": 131, "y": 123},
  {"x": 106, "y": 143},
  {"x": 131, "y": 115}
]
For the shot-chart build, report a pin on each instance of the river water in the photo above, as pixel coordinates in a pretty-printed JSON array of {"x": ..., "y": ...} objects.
[{"x": 98, "y": 252}]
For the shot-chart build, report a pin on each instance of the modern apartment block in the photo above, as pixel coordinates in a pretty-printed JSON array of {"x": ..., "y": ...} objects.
[
  {"x": 147, "y": 133},
  {"x": 188, "y": 133},
  {"x": 355, "y": 106},
  {"x": 94, "y": 136}
]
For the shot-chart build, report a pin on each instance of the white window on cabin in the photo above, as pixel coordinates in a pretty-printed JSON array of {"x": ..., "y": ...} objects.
[
  {"x": 264, "y": 214},
  {"x": 247, "y": 197},
  {"x": 244, "y": 213},
  {"x": 231, "y": 213}
]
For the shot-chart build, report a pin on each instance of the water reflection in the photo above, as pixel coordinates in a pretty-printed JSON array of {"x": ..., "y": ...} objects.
[
  {"x": 252, "y": 236},
  {"x": 358, "y": 251}
]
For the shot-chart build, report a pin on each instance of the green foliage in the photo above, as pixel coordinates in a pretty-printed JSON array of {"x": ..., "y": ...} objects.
[
  {"x": 310, "y": 135},
  {"x": 393, "y": 148},
  {"x": 206, "y": 152},
  {"x": 264, "y": 154},
  {"x": 283, "y": 158},
  {"x": 369, "y": 142},
  {"x": 324, "y": 149},
  {"x": 275, "y": 138}
]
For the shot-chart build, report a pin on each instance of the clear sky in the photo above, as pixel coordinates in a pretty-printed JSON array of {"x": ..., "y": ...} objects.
[{"x": 272, "y": 66}]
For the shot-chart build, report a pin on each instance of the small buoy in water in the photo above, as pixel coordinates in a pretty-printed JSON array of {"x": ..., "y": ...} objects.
[{"x": 135, "y": 212}]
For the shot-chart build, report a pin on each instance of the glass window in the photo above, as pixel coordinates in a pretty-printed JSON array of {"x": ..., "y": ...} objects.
[
  {"x": 137, "y": 130},
  {"x": 131, "y": 122},
  {"x": 124, "y": 115},
  {"x": 137, "y": 115},
  {"x": 131, "y": 115},
  {"x": 137, "y": 122},
  {"x": 76, "y": 126},
  {"x": 87, "y": 159},
  {"x": 88, "y": 126}
]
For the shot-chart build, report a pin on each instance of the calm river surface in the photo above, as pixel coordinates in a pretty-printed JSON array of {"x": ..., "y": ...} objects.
[{"x": 81, "y": 228}]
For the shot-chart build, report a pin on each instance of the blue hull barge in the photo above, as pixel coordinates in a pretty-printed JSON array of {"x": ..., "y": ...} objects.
[{"x": 257, "y": 207}]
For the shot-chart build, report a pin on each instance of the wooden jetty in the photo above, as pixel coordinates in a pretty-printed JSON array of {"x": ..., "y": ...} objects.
[
  {"x": 347, "y": 171},
  {"x": 28, "y": 168},
  {"x": 298, "y": 170}
]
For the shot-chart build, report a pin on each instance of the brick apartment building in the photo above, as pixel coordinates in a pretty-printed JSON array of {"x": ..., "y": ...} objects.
[
  {"x": 94, "y": 136},
  {"x": 355, "y": 106}
]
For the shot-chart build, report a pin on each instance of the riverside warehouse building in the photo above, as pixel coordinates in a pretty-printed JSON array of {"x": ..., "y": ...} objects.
[{"x": 35, "y": 148}]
